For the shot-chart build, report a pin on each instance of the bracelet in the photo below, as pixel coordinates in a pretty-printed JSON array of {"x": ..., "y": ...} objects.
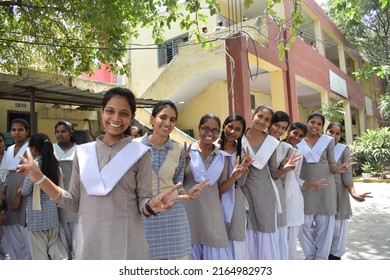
[
  {"x": 41, "y": 180},
  {"x": 149, "y": 209},
  {"x": 57, "y": 197}
]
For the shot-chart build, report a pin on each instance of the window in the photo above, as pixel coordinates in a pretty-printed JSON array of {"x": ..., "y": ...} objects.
[
  {"x": 253, "y": 102},
  {"x": 170, "y": 49}
]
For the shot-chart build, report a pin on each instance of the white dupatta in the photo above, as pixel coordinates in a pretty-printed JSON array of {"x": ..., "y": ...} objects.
[
  {"x": 313, "y": 155},
  {"x": 199, "y": 171},
  {"x": 338, "y": 151},
  {"x": 261, "y": 159},
  {"x": 62, "y": 155},
  {"x": 264, "y": 153},
  {"x": 227, "y": 198},
  {"x": 101, "y": 183},
  {"x": 14, "y": 160}
]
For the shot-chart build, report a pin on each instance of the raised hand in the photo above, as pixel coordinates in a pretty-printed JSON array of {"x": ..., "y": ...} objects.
[
  {"x": 195, "y": 191},
  {"x": 240, "y": 168},
  {"x": 344, "y": 167},
  {"x": 164, "y": 201},
  {"x": 246, "y": 159},
  {"x": 187, "y": 149},
  {"x": 29, "y": 168},
  {"x": 292, "y": 162}
]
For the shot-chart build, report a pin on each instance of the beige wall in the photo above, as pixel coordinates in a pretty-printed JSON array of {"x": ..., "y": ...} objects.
[
  {"x": 212, "y": 100},
  {"x": 144, "y": 63}
]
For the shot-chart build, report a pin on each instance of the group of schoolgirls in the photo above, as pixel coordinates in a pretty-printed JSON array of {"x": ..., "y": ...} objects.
[{"x": 218, "y": 198}]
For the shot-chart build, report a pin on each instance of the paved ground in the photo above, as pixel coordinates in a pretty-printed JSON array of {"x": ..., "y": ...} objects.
[{"x": 369, "y": 228}]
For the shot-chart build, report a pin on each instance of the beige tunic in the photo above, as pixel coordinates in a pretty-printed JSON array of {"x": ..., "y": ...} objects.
[
  {"x": 282, "y": 151},
  {"x": 320, "y": 201},
  {"x": 343, "y": 180},
  {"x": 205, "y": 213},
  {"x": 110, "y": 226}
]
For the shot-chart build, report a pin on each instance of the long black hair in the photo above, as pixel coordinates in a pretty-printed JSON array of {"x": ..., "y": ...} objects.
[{"x": 49, "y": 164}]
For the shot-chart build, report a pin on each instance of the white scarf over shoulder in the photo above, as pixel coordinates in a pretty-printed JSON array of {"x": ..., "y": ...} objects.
[
  {"x": 264, "y": 153},
  {"x": 199, "y": 171},
  {"x": 102, "y": 182},
  {"x": 14, "y": 160},
  {"x": 62, "y": 155},
  {"x": 261, "y": 159},
  {"x": 313, "y": 155},
  {"x": 338, "y": 151}
]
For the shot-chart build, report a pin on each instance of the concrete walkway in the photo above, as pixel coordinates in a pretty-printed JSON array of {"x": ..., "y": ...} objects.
[{"x": 369, "y": 227}]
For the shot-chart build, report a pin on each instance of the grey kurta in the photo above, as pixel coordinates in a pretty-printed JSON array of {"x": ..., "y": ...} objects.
[
  {"x": 320, "y": 201},
  {"x": 343, "y": 180},
  {"x": 65, "y": 215},
  {"x": 205, "y": 213},
  {"x": 236, "y": 227},
  {"x": 260, "y": 194},
  {"x": 15, "y": 181},
  {"x": 110, "y": 226},
  {"x": 282, "y": 151}
]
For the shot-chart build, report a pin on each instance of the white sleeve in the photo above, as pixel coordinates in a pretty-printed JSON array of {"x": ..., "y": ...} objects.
[{"x": 3, "y": 170}]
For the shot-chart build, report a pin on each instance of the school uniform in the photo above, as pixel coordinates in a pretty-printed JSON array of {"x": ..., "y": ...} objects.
[
  {"x": 264, "y": 201},
  {"x": 42, "y": 223},
  {"x": 235, "y": 207},
  {"x": 15, "y": 221},
  {"x": 282, "y": 151},
  {"x": 109, "y": 187},
  {"x": 208, "y": 233},
  {"x": 168, "y": 234},
  {"x": 294, "y": 206},
  {"x": 68, "y": 220},
  {"x": 344, "y": 210},
  {"x": 320, "y": 204}
]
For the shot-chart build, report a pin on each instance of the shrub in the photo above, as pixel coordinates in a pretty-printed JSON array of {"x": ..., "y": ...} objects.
[{"x": 372, "y": 148}]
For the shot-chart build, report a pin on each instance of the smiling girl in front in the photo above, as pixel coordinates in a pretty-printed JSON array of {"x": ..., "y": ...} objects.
[{"x": 110, "y": 187}]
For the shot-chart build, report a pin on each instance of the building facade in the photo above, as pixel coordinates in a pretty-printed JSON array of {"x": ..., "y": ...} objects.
[{"x": 242, "y": 69}]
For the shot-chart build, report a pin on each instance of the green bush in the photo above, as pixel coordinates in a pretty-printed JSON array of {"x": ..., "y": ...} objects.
[{"x": 372, "y": 148}]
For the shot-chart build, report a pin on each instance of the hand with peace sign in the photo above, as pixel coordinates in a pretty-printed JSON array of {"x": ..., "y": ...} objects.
[
  {"x": 292, "y": 162},
  {"x": 316, "y": 184},
  {"x": 286, "y": 165},
  {"x": 356, "y": 196},
  {"x": 187, "y": 149},
  {"x": 246, "y": 159},
  {"x": 344, "y": 167},
  {"x": 165, "y": 201},
  {"x": 35, "y": 175}
]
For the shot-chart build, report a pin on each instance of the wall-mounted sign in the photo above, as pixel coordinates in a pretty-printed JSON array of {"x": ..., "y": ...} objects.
[
  {"x": 338, "y": 84},
  {"x": 20, "y": 105},
  {"x": 369, "y": 110}
]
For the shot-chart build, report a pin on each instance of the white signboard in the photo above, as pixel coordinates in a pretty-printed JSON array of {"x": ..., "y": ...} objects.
[
  {"x": 338, "y": 84},
  {"x": 369, "y": 110}
]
